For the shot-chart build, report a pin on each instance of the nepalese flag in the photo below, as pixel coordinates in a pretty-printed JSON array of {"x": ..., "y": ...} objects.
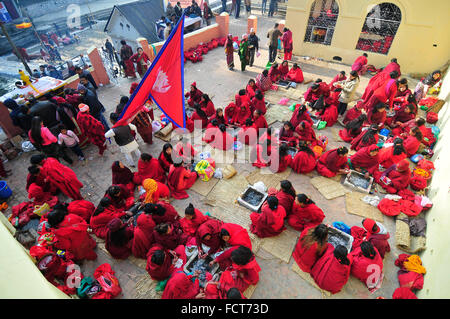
[{"x": 163, "y": 82}]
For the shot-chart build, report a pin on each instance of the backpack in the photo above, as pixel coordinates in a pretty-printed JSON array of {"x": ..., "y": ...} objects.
[{"x": 89, "y": 287}]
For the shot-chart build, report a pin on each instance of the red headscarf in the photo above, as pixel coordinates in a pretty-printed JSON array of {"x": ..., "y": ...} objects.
[
  {"x": 211, "y": 227},
  {"x": 142, "y": 239},
  {"x": 238, "y": 235}
]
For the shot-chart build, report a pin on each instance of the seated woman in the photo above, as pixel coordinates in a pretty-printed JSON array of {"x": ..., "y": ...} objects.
[
  {"x": 241, "y": 115},
  {"x": 194, "y": 95},
  {"x": 199, "y": 115},
  {"x": 305, "y": 133},
  {"x": 286, "y": 195},
  {"x": 263, "y": 81},
  {"x": 413, "y": 141},
  {"x": 367, "y": 262},
  {"x": 230, "y": 112},
  {"x": 377, "y": 115},
  {"x": 314, "y": 92},
  {"x": 270, "y": 222},
  {"x": 333, "y": 162},
  {"x": 284, "y": 70},
  {"x": 165, "y": 157},
  {"x": 287, "y": 134},
  {"x": 246, "y": 268},
  {"x": 208, "y": 238},
  {"x": 182, "y": 286},
  {"x": 352, "y": 129},
  {"x": 179, "y": 180},
  {"x": 280, "y": 159},
  {"x": 72, "y": 234},
  {"x": 304, "y": 161},
  {"x": 119, "y": 238},
  {"x": 212, "y": 130},
  {"x": 259, "y": 121},
  {"x": 274, "y": 73},
  {"x": 391, "y": 155},
  {"x": 120, "y": 196},
  {"x": 104, "y": 213},
  {"x": 149, "y": 167},
  {"x": 185, "y": 150},
  {"x": 395, "y": 178},
  {"x": 122, "y": 175},
  {"x": 401, "y": 116},
  {"x": 154, "y": 192},
  {"x": 242, "y": 99},
  {"x": 260, "y": 154},
  {"x": 163, "y": 212},
  {"x": 305, "y": 213},
  {"x": 251, "y": 89},
  {"x": 258, "y": 103},
  {"x": 338, "y": 78},
  {"x": 218, "y": 115},
  {"x": 223, "y": 141},
  {"x": 162, "y": 263},
  {"x": 207, "y": 105},
  {"x": 330, "y": 113},
  {"x": 377, "y": 235},
  {"x": 365, "y": 160},
  {"x": 142, "y": 238},
  {"x": 35, "y": 176},
  {"x": 365, "y": 138},
  {"x": 247, "y": 134},
  {"x": 332, "y": 270},
  {"x": 310, "y": 246},
  {"x": 300, "y": 114},
  {"x": 353, "y": 113},
  {"x": 190, "y": 125},
  {"x": 295, "y": 74},
  {"x": 192, "y": 219},
  {"x": 168, "y": 236}
]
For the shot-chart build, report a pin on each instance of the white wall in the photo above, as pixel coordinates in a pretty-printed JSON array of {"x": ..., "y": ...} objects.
[{"x": 118, "y": 33}]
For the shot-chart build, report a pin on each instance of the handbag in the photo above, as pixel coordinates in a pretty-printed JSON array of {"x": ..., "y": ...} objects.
[{"x": 41, "y": 210}]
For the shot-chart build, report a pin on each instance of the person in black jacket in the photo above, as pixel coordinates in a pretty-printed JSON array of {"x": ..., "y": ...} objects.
[
  {"x": 96, "y": 108},
  {"x": 46, "y": 110},
  {"x": 253, "y": 45},
  {"x": 86, "y": 74},
  {"x": 19, "y": 114}
]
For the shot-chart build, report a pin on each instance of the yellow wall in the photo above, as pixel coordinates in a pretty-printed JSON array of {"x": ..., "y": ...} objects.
[
  {"x": 423, "y": 24},
  {"x": 436, "y": 258}
]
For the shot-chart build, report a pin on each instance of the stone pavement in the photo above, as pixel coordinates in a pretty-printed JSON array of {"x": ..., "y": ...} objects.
[{"x": 277, "y": 280}]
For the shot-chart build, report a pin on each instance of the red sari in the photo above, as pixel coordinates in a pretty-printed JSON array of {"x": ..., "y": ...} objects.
[
  {"x": 339, "y": 77},
  {"x": 303, "y": 163},
  {"x": 358, "y": 143},
  {"x": 93, "y": 130},
  {"x": 196, "y": 117},
  {"x": 210, "y": 133},
  {"x": 304, "y": 256},
  {"x": 363, "y": 159},
  {"x": 399, "y": 180},
  {"x": 180, "y": 286},
  {"x": 258, "y": 105},
  {"x": 411, "y": 144},
  {"x": 208, "y": 108},
  {"x": 295, "y": 75},
  {"x": 190, "y": 226},
  {"x": 151, "y": 169},
  {"x": 238, "y": 235},
  {"x": 328, "y": 273},
  {"x": 251, "y": 91},
  {"x": 330, "y": 115},
  {"x": 296, "y": 120},
  {"x": 258, "y": 159},
  {"x": 98, "y": 223},
  {"x": 241, "y": 116},
  {"x": 211, "y": 227},
  {"x": 269, "y": 222},
  {"x": 164, "y": 161},
  {"x": 376, "y": 117},
  {"x": 284, "y": 199},
  {"x": 307, "y": 134},
  {"x": 62, "y": 177},
  {"x": 260, "y": 123},
  {"x": 122, "y": 176},
  {"x": 387, "y": 158},
  {"x": 330, "y": 163},
  {"x": 385, "y": 92},
  {"x": 142, "y": 239},
  {"x": 305, "y": 217},
  {"x": 360, "y": 265}
]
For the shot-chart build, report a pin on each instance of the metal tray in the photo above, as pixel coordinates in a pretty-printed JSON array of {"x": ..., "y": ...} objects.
[
  {"x": 343, "y": 236},
  {"x": 252, "y": 206},
  {"x": 359, "y": 175}
]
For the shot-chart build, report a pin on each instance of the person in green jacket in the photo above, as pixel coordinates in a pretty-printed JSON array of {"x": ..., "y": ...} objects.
[{"x": 244, "y": 53}]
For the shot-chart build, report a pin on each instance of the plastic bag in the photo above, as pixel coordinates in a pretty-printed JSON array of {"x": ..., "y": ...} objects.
[
  {"x": 284, "y": 101},
  {"x": 27, "y": 146},
  {"x": 259, "y": 186},
  {"x": 156, "y": 126},
  {"x": 41, "y": 209},
  {"x": 322, "y": 125},
  {"x": 204, "y": 170},
  {"x": 218, "y": 174},
  {"x": 258, "y": 54}
]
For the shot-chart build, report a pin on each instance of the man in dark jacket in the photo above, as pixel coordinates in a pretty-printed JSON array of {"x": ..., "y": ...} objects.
[
  {"x": 273, "y": 36},
  {"x": 46, "y": 110},
  {"x": 253, "y": 45},
  {"x": 86, "y": 74},
  {"x": 96, "y": 108}
]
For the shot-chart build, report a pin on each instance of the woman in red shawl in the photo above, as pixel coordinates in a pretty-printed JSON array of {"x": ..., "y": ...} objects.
[
  {"x": 194, "y": 95},
  {"x": 259, "y": 121},
  {"x": 82, "y": 208},
  {"x": 401, "y": 116},
  {"x": 412, "y": 142},
  {"x": 352, "y": 129},
  {"x": 35, "y": 176},
  {"x": 142, "y": 238},
  {"x": 121, "y": 197},
  {"x": 377, "y": 115},
  {"x": 248, "y": 134},
  {"x": 398, "y": 177},
  {"x": 208, "y": 234},
  {"x": 330, "y": 112},
  {"x": 162, "y": 263},
  {"x": 223, "y": 141},
  {"x": 185, "y": 150},
  {"x": 391, "y": 155},
  {"x": 104, "y": 213},
  {"x": 360, "y": 64},
  {"x": 71, "y": 233},
  {"x": 287, "y": 134},
  {"x": 300, "y": 114},
  {"x": 180, "y": 286},
  {"x": 333, "y": 162},
  {"x": 258, "y": 103},
  {"x": 242, "y": 113},
  {"x": 304, "y": 161},
  {"x": 339, "y": 77},
  {"x": 274, "y": 73},
  {"x": 59, "y": 175},
  {"x": 408, "y": 278},
  {"x": 207, "y": 105},
  {"x": 212, "y": 130},
  {"x": 353, "y": 113},
  {"x": 218, "y": 116},
  {"x": 149, "y": 167},
  {"x": 295, "y": 74},
  {"x": 142, "y": 61},
  {"x": 260, "y": 154},
  {"x": 91, "y": 128},
  {"x": 251, "y": 89},
  {"x": 230, "y": 112},
  {"x": 126, "y": 52},
  {"x": 377, "y": 235},
  {"x": 179, "y": 180},
  {"x": 270, "y": 222},
  {"x": 165, "y": 157},
  {"x": 192, "y": 219},
  {"x": 385, "y": 93},
  {"x": 163, "y": 212},
  {"x": 365, "y": 138},
  {"x": 246, "y": 267},
  {"x": 376, "y": 81},
  {"x": 365, "y": 160},
  {"x": 199, "y": 115},
  {"x": 367, "y": 265},
  {"x": 310, "y": 246},
  {"x": 37, "y": 195},
  {"x": 305, "y": 213},
  {"x": 280, "y": 159},
  {"x": 286, "y": 195},
  {"x": 332, "y": 270},
  {"x": 306, "y": 133},
  {"x": 168, "y": 235},
  {"x": 284, "y": 70},
  {"x": 119, "y": 238},
  {"x": 287, "y": 43},
  {"x": 122, "y": 175}
]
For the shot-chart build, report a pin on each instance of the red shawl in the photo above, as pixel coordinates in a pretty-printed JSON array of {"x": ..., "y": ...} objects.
[
  {"x": 374, "y": 83},
  {"x": 194, "y": 96},
  {"x": 211, "y": 227},
  {"x": 62, "y": 177},
  {"x": 238, "y": 235},
  {"x": 196, "y": 117},
  {"x": 241, "y": 116},
  {"x": 296, "y": 120},
  {"x": 259, "y": 105},
  {"x": 180, "y": 286},
  {"x": 387, "y": 158},
  {"x": 400, "y": 180},
  {"x": 257, "y": 152},
  {"x": 376, "y": 117},
  {"x": 328, "y": 273},
  {"x": 284, "y": 199},
  {"x": 260, "y": 122},
  {"x": 230, "y": 112},
  {"x": 122, "y": 176},
  {"x": 189, "y": 125},
  {"x": 242, "y": 100},
  {"x": 347, "y": 136},
  {"x": 124, "y": 201},
  {"x": 120, "y": 252},
  {"x": 283, "y": 164},
  {"x": 363, "y": 159},
  {"x": 142, "y": 239},
  {"x": 40, "y": 197},
  {"x": 306, "y": 257},
  {"x": 284, "y": 70},
  {"x": 357, "y": 142},
  {"x": 220, "y": 120},
  {"x": 295, "y": 75},
  {"x": 380, "y": 242},
  {"x": 411, "y": 144},
  {"x": 164, "y": 161},
  {"x": 330, "y": 115},
  {"x": 190, "y": 226},
  {"x": 333, "y": 161},
  {"x": 351, "y": 114},
  {"x": 82, "y": 208},
  {"x": 247, "y": 135},
  {"x": 269, "y": 222},
  {"x": 303, "y": 163},
  {"x": 173, "y": 181},
  {"x": 208, "y": 108},
  {"x": 91, "y": 128},
  {"x": 169, "y": 241},
  {"x": 307, "y": 134},
  {"x": 159, "y": 272},
  {"x": 386, "y": 92},
  {"x": 250, "y": 91},
  {"x": 360, "y": 265},
  {"x": 274, "y": 74},
  {"x": 170, "y": 216},
  {"x": 393, "y": 66},
  {"x": 151, "y": 169},
  {"x": 305, "y": 217},
  {"x": 286, "y": 135},
  {"x": 250, "y": 272},
  {"x": 99, "y": 223},
  {"x": 339, "y": 77}
]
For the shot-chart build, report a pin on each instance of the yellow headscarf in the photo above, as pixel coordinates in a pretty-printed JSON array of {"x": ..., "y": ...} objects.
[
  {"x": 414, "y": 264},
  {"x": 150, "y": 187}
]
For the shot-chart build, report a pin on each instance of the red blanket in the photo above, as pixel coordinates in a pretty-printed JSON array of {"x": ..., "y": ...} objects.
[
  {"x": 305, "y": 217},
  {"x": 305, "y": 256}
]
